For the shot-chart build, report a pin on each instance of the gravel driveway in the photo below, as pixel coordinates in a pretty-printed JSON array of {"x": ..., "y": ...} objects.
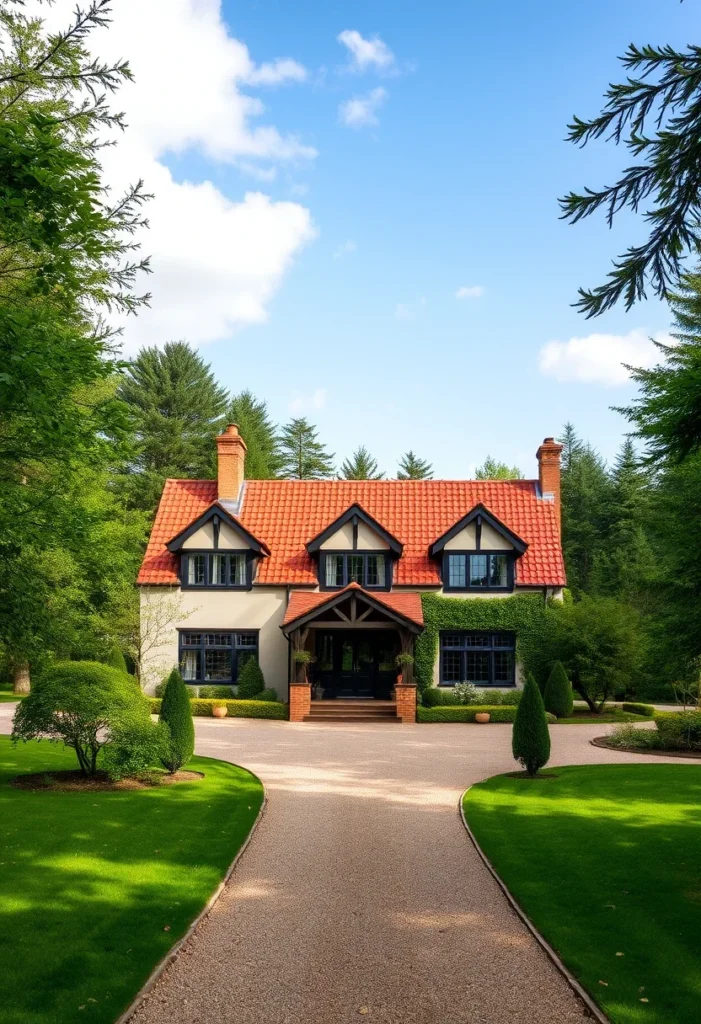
[{"x": 360, "y": 894}]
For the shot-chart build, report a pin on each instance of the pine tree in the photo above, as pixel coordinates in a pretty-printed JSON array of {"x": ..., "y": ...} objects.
[
  {"x": 491, "y": 469},
  {"x": 303, "y": 457},
  {"x": 411, "y": 467},
  {"x": 360, "y": 466},
  {"x": 586, "y": 497},
  {"x": 530, "y": 740},
  {"x": 558, "y": 699},
  {"x": 176, "y": 712},
  {"x": 251, "y": 681},
  {"x": 177, "y": 409},
  {"x": 260, "y": 434}
]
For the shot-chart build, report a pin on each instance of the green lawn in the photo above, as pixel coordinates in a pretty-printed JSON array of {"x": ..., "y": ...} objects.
[
  {"x": 96, "y": 886},
  {"x": 8, "y": 695},
  {"x": 605, "y": 859}
]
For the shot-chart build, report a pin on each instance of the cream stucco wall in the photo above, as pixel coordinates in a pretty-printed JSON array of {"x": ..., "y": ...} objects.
[
  {"x": 342, "y": 540},
  {"x": 203, "y": 538},
  {"x": 466, "y": 540},
  {"x": 167, "y": 609}
]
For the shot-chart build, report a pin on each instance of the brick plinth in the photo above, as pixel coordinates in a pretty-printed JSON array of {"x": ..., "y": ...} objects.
[
  {"x": 300, "y": 701},
  {"x": 406, "y": 701}
]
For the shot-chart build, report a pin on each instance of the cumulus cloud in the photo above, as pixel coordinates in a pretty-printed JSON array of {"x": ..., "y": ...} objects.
[
  {"x": 366, "y": 54},
  {"x": 361, "y": 111},
  {"x": 599, "y": 358},
  {"x": 307, "y": 403},
  {"x": 344, "y": 249},
  {"x": 216, "y": 260},
  {"x": 410, "y": 310},
  {"x": 474, "y": 291}
]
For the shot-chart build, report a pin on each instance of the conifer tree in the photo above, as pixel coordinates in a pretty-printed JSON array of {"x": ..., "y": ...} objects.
[
  {"x": 303, "y": 456},
  {"x": 530, "y": 739},
  {"x": 411, "y": 467},
  {"x": 251, "y": 681},
  {"x": 115, "y": 658},
  {"x": 360, "y": 466},
  {"x": 586, "y": 495},
  {"x": 557, "y": 698},
  {"x": 259, "y": 432},
  {"x": 176, "y": 712}
]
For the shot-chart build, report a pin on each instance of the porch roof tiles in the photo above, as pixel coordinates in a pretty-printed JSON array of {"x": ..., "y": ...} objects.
[
  {"x": 286, "y": 514},
  {"x": 302, "y": 602}
]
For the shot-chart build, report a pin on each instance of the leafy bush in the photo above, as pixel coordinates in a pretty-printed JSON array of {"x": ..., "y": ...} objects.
[
  {"x": 434, "y": 696},
  {"x": 530, "y": 741},
  {"x": 161, "y": 688},
  {"x": 115, "y": 659},
  {"x": 176, "y": 714},
  {"x": 466, "y": 693},
  {"x": 235, "y": 708},
  {"x": 134, "y": 750},
  {"x": 558, "y": 693},
  {"x": 209, "y": 692},
  {"x": 466, "y": 713},
  {"x": 512, "y": 698},
  {"x": 679, "y": 730},
  {"x": 646, "y": 710},
  {"x": 85, "y": 704},
  {"x": 269, "y": 694},
  {"x": 443, "y": 696},
  {"x": 251, "y": 681},
  {"x": 632, "y": 736}
]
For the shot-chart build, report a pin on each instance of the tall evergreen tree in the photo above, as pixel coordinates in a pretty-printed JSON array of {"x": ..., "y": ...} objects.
[
  {"x": 585, "y": 500},
  {"x": 360, "y": 466},
  {"x": 303, "y": 456},
  {"x": 263, "y": 460},
  {"x": 177, "y": 408},
  {"x": 411, "y": 467},
  {"x": 491, "y": 469}
]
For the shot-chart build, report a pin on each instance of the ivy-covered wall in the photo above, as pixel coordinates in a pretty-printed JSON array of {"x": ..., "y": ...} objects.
[{"x": 522, "y": 614}]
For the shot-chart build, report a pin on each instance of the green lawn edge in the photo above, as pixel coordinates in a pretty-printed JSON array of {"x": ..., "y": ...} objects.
[{"x": 603, "y": 860}]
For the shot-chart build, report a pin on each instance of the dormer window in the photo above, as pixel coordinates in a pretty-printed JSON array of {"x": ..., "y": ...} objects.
[
  {"x": 483, "y": 571},
  {"x": 478, "y": 553},
  {"x": 228, "y": 570},
  {"x": 367, "y": 569},
  {"x": 216, "y": 550}
]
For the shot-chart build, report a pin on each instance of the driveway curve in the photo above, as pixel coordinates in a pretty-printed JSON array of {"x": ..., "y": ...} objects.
[{"x": 360, "y": 895}]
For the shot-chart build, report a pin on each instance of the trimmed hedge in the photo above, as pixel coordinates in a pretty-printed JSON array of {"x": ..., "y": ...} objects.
[
  {"x": 522, "y": 614},
  {"x": 251, "y": 682},
  {"x": 442, "y": 696},
  {"x": 235, "y": 708},
  {"x": 467, "y": 712},
  {"x": 646, "y": 710}
]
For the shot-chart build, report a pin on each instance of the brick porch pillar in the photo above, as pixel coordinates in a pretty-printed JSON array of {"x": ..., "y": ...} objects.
[
  {"x": 300, "y": 701},
  {"x": 406, "y": 701}
]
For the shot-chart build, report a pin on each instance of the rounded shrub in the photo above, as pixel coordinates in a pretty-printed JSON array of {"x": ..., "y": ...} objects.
[
  {"x": 269, "y": 694},
  {"x": 176, "y": 713},
  {"x": 115, "y": 659},
  {"x": 558, "y": 698},
  {"x": 251, "y": 681},
  {"x": 86, "y": 704},
  {"x": 530, "y": 741}
]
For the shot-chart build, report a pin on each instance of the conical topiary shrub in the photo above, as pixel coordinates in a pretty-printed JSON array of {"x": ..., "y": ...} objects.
[
  {"x": 251, "y": 681},
  {"x": 176, "y": 712},
  {"x": 530, "y": 740},
  {"x": 558, "y": 692},
  {"x": 115, "y": 659}
]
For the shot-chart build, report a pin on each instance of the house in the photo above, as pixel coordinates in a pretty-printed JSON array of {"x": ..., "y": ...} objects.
[{"x": 339, "y": 568}]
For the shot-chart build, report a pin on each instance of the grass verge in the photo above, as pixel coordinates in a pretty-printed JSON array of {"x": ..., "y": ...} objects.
[
  {"x": 604, "y": 860},
  {"x": 95, "y": 887}
]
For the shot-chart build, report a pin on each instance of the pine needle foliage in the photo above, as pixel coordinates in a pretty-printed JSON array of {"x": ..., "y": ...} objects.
[
  {"x": 530, "y": 740},
  {"x": 263, "y": 460},
  {"x": 411, "y": 467},
  {"x": 176, "y": 713},
  {"x": 558, "y": 698},
  {"x": 251, "y": 680},
  {"x": 360, "y": 466},
  {"x": 303, "y": 456}
]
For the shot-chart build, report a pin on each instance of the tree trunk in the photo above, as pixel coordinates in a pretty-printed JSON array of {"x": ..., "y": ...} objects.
[
  {"x": 21, "y": 682},
  {"x": 592, "y": 705}
]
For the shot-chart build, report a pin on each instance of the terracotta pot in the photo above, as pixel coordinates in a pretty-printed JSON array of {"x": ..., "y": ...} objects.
[
  {"x": 482, "y": 717},
  {"x": 219, "y": 711},
  {"x": 400, "y": 677}
]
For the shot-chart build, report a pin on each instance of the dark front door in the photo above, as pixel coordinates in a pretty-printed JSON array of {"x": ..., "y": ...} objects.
[{"x": 356, "y": 663}]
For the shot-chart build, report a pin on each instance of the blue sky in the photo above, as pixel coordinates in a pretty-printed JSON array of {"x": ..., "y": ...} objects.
[{"x": 452, "y": 183}]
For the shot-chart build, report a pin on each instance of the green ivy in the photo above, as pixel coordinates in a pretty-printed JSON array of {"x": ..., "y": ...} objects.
[{"x": 522, "y": 614}]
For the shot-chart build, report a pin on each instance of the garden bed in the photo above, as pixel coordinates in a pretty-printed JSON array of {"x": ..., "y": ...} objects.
[
  {"x": 77, "y": 782},
  {"x": 603, "y": 741},
  {"x": 234, "y": 708}
]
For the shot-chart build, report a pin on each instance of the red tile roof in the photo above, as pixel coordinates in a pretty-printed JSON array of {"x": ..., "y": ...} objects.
[
  {"x": 286, "y": 514},
  {"x": 303, "y": 601}
]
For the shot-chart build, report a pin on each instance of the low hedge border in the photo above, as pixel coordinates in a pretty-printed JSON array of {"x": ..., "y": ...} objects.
[
  {"x": 235, "y": 708},
  {"x": 646, "y": 710},
  {"x": 467, "y": 712}
]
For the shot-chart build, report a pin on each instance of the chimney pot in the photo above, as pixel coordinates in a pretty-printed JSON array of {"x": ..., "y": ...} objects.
[{"x": 231, "y": 463}]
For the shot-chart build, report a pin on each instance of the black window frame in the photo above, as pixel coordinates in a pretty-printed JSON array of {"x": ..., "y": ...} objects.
[
  {"x": 387, "y": 585},
  {"x": 246, "y": 553},
  {"x": 235, "y": 647},
  {"x": 482, "y": 642},
  {"x": 509, "y": 555}
]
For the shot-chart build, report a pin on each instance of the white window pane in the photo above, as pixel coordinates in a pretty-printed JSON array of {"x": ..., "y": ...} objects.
[
  {"x": 219, "y": 570},
  {"x": 189, "y": 664},
  {"x": 238, "y": 570}
]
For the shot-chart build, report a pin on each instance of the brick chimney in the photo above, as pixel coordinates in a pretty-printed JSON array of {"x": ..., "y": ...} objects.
[
  {"x": 231, "y": 460},
  {"x": 548, "y": 456}
]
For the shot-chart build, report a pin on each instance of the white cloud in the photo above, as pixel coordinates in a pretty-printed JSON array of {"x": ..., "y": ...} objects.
[
  {"x": 599, "y": 358},
  {"x": 474, "y": 291},
  {"x": 307, "y": 403},
  {"x": 216, "y": 262},
  {"x": 410, "y": 310},
  {"x": 366, "y": 54},
  {"x": 344, "y": 249},
  {"x": 362, "y": 110}
]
